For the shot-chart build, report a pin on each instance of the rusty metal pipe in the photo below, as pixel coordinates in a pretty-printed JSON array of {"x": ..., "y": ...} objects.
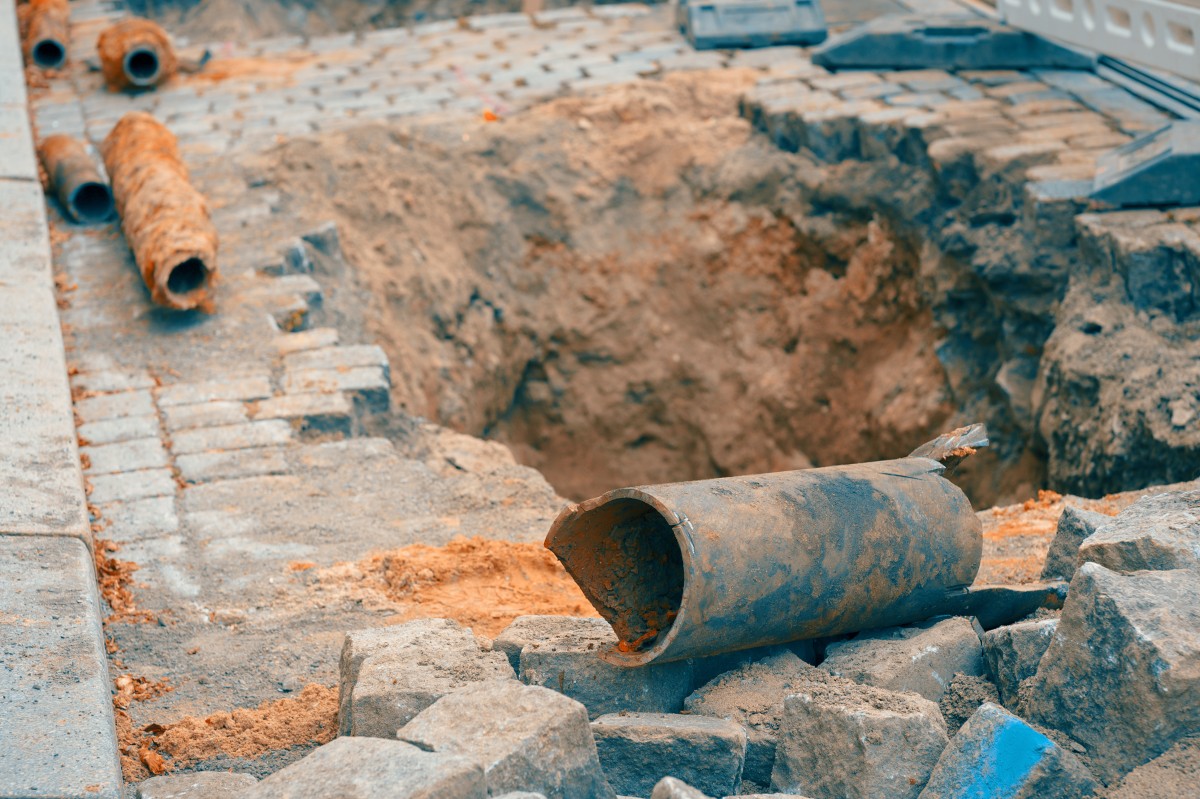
[
  {"x": 47, "y": 32},
  {"x": 80, "y": 188},
  {"x": 165, "y": 219},
  {"x": 135, "y": 53},
  {"x": 700, "y": 568}
]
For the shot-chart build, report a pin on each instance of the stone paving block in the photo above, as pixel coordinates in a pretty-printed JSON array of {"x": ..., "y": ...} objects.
[
  {"x": 204, "y": 414},
  {"x": 841, "y": 739},
  {"x": 1158, "y": 532},
  {"x": 920, "y": 658},
  {"x": 205, "y": 467},
  {"x": 139, "y": 518},
  {"x": 112, "y": 380},
  {"x": 1012, "y": 654},
  {"x": 1130, "y": 708},
  {"x": 525, "y": 737},
  {"x": 371, "y": 768},
  {"x": 111, "y": 431},
  {"x": 369, "y": 384},
  {"x": 350, "y": 357},
  {"x": 996, "y": 754},
  {"x": 263, "y": 433},
  {"x": 315, "y": 338},
  {"x": 1074, "y": 525},
  {"x": 251, "y": 387},
  {"x": 126, "y": 456},
  {"x": 56, "y": 720},
  {"x": 568, "y": 661},
  {"x": 324, "y": 413},
  {"x": 388, "y": 675},
  {"x": 201, "y": 785},
  {"x": 131, "y": 485},
  {"x": 752, "y": 695},
  {"x": 115, "y": 406},
  {"x": 639, "y": 749}
]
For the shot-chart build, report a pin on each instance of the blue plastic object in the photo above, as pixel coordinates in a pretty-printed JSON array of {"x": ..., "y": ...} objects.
[{"x": 722, "y": 24}]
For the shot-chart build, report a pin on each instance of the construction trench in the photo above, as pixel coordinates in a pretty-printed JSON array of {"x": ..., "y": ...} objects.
[{"x": 508, "y": 401}]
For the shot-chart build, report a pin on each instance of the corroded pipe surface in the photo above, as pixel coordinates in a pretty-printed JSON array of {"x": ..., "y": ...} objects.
[
  {"x": 47, "y": 32},
  {"x": 700, "y": 568},
  {"x": 135, "y": 53},
  {"x": 75, "y": 180},
  {"x": 165, "y": 220}
]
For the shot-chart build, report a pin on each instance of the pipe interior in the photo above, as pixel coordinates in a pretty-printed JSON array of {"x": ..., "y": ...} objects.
[
  {"x": 187, "y": 277},
  {"x": 628, "y": 563},
  {"x": 49, "y": 54},
  {"x": 91, "y": 202},
  {"x": 141, "y": 65}
]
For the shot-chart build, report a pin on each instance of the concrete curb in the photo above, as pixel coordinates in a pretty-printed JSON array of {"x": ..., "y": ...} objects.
[{"x": 57, "y": 737}]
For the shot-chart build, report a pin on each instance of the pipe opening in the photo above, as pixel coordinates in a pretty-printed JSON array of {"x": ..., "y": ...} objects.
[
  {"x": 49, "y": 54},
  {"x": 625, "y": 557},
  {"x": 187, "y": 277},
  {"x": 91, "y": 202},
  {"x": 142, "y": 66}
]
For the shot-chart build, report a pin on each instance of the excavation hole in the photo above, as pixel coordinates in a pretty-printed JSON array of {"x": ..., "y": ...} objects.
[
  {"x": 142, "y": 66},
  {"x": 49, "y": 54},
  {"x": 187, "y": 277},
  {"x": 92, "y": 202}
]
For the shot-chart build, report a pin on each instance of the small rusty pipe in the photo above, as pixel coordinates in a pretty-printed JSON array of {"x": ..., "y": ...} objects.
[
  {"x": 73, "y": 176},
  {"x": 700, "y": 568},
  {"x": 47, "y": 31},
  {"x": 165, "y": 220},
  {"x": 135, "y": 53}
]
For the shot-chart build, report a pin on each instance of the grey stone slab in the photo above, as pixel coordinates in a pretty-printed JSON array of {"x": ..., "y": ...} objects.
[
  {"x": 205, "y": 467},
  {"x": 120, "y": 405},
  {"x": 56, "y": 720},
  {"x": 131, "y": 485},
  {"x": 251, "y": 387},
  {"x": 25, "y": 256},
  {"x": 201, "y": 785},
  {"x": 110, "y": 380},
  {"x": 125, "y": 456},
  {"x": 372, "y": 768},
  {"x": 1158, "y": 532},
  {"x": 525, "y": 737},
  {"x": 111, "y": 431},
  {"x": 204, "y": 414},
  {"x": 639, "y": 749},
  {"x": 1012, "y": 654},
  {"x": 139, "y": 518},
  {"x": 18, "y": 159},
  {"x": 264, "y": 433}
]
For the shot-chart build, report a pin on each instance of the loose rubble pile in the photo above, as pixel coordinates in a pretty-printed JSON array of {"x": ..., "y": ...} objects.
[{"x": 1102, "y": 700}]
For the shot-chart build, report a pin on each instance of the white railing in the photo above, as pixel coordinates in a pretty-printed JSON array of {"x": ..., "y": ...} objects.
[{"x": 1158, "y": 34}]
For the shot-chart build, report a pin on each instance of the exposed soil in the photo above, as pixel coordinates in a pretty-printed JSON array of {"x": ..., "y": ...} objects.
[
  {"x": 481, "y": 583},
  {"x": 629, "y": 288}
]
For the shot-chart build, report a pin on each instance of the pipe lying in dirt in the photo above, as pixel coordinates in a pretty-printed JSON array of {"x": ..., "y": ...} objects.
[
  {"x": 165, "y": 220},
  {"x": 47, "y": 33},
  {"x": 74, "y": 178},
  {"x": 135, "y": 53},
  {"x": 700, "y": 568}
]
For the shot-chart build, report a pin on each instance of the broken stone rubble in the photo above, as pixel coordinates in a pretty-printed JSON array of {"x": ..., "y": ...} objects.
[
  {"x": 638, "y": 749},
  {"x": 1074, "y": 525},
  {"x": 1012, "y": 654},
  {"x": 1158, "y": 532}
]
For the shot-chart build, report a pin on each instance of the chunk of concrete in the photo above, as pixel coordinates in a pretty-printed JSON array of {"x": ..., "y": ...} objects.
[
  {"x": 639, "y": 749},
  {"x": 996, "y": 754},
  {"x": 1074, "y": 525},
  {"x": 964, "y": 695},
  {"x": 526, "y": 738},
  {"x": 1120, "y": 675},
  {"x": 568, "y": 661},
  {"x": 372, "y": 768},
  {"x": 752, "y": 695},
  {"x": 1158, "y": 532},
  {"x": 671, "y": 788},
  {"x": 1012, "y": 654},
  {"x": 201, "y": 785},
  {"x": 920, "y": 658},
  {"x": 841, "y": 739},
  {"x": 390, "y": 674}
]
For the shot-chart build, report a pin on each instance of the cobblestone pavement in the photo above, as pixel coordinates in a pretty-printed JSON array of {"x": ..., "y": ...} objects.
[{"x": 219, "y": 449}]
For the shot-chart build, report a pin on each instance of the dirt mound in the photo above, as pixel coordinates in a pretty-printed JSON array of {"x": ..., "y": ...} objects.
[
  {"x": 480, "y": 583},
  {"x": 628, "y": 288}
]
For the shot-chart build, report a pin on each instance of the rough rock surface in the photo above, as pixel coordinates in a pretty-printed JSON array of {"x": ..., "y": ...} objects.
[
  {"x": 639, "y": 749},
  {"x": 390, "y": 674},
  {"x": 1120, "y": 675},
  {"x": 525, "y": 630},
  {"x": 1172, "y": 774},
  {"x": 671, "y": 788},
  {"x": 1074, "y": 526},
  {"x": 201, "y": 785},
  {"x": 996, "y": 754},
  {"x": 526, "y": 737},
  {"x": 567, "y": 660},
  {"x": 962, "y": 698},
  {"x": 1159, "y": 532},
  {"x": 373, "y": 768},
  {"x": 1012, "y": 654},
  {"x": 920, "y": 658},
  {"x": 752, "y": 695},
  {"x": 842, "y": 740}
]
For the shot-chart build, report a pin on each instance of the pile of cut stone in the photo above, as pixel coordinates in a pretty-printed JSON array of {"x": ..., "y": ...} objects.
[{"x": 1052, "y": 706}]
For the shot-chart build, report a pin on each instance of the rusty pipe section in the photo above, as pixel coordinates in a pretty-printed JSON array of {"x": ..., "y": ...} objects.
[
  {"x": 82, "y": 191},
  {"x": 165, "y": 219},
  {"x": 700, "y": 568},
  {"x": 135, "y": 53},
  {"x": 47, "y": 32}
]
